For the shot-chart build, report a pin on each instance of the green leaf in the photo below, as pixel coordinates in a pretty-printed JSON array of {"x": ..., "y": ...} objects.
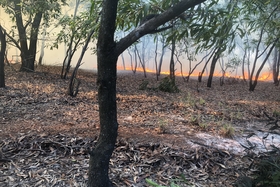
[{"x": 152, "y": 183}]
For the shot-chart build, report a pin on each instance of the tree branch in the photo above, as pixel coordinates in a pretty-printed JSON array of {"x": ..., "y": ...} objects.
[
  {"x": 151, "y": 25},
  {"x": 14, "y": 41}
]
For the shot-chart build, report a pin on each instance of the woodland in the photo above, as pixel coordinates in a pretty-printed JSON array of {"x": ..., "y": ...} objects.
[
  {"x": 63, "y": 126},
  {"x": 46, "y": 135}
]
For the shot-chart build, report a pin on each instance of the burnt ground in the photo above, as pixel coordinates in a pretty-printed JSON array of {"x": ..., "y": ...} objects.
[{"x": 45, "y": 134}]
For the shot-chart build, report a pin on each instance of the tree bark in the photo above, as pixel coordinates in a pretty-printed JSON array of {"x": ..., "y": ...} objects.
[
  {"x": 203, "y": 69},
  {"x": 172, "y": 63},
  {"x": 212, "y": 68},
  {"x": 107, "y": 70},
  {"x": 275, "y": 68},
  {"x": 243, "y": 64},
  {"x": 2, "y": 56},
  {"x": 28, "y": 54}
]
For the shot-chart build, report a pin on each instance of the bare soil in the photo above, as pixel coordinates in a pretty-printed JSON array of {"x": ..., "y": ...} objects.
[{"x": 154, "y": 126}]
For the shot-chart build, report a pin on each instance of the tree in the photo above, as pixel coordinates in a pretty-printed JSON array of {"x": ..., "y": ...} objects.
[
  {"x": 74, "y": 33},
  {"x": 2, "y": 56},
  {"x": 162, "y": 40},
  {"x": 263, "y": 22},
  {"x": 276, "y": 66},
  {"x": 34, "y": 11},
  {"x": 74, "y": 83},
  {"x": 108, "y": 51}
]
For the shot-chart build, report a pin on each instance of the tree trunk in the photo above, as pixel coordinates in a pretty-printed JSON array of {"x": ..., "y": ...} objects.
[
  {"x": 172, "y": 64},
  {"x": 212, "y": 68},
  {"x": 276, "y": 64},
  {"x": 27, "y": 61},
  {"x": 136, "y": 59},
  {"x": 142, "y": 61},
  {"x": 161, "y": 57},
  {"x": 2, "y": 56},
  {"x": 100, "y": 156},
  {"x": 31, "y": 54},
  {"x": 73, "y": 83},
  {"x": 107, "y": 75},
  {"x": 42, "y": 52},
  {"x": 202, "y": 72},
  {"x": 28, "y": 54},
  {"x": 107, "y": 55},
  {"x": 123, "y": 61},
  {"x": 253, "y": 84},
  {"x": 156, "y": 63},
  {"x": 243, "y": 64},
  {"x": 131, "y": 61}
]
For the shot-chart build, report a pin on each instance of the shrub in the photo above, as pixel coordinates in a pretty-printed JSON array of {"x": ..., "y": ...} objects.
[{"x": 168, "y": 85}]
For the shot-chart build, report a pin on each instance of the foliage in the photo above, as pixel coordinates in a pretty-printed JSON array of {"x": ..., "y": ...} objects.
[
  {"x": 168, "y": 85},
  {"x": 211, "y": 23},
  {"x": 144, "y": 85},
  {"x": 266, "y": 165},
  {"x": 227, "y": 130},
  {"x": 163, "y": 127},
  {"x": 173, "y": 182},
  {"x": 276, "y": 113},
  {"x": 260, "y": 13},
  {"x": 77, "y": 27},
  {"x": 27, "y": 16},
  {"x": 51, "y": 10},
  {"x": 268, "y": 171}
]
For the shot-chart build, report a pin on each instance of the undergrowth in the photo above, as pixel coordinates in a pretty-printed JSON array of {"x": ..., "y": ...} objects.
[{"x": 168, "y": 85}]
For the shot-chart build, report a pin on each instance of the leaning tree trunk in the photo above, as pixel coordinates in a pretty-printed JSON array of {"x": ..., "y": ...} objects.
[
  {"x": 2, "y": 57},
  {"x": 253, "y": 84},
  {"x": 212, "y": 68},
  {"x": 205, "y": 65},
  {"x": 74, "y": 83}
]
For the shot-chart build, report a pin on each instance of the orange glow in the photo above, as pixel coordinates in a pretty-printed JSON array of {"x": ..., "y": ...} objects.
[{"x": 263, "y": 77}]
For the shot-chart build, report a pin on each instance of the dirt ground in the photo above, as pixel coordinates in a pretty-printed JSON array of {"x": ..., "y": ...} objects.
[{"x": 153, "y": 127}]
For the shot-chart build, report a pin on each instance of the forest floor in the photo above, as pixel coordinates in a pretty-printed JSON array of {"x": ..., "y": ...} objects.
[{"x": 190, "y": 138}]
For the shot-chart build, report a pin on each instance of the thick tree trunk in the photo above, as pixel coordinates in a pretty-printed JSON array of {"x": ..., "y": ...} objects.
[
  {"x": 2, "y": 57},
  {"x": 100, "y": 156},
  {"x": 28, "y": 54},
  {"x": 107, "y": 75},
  {"x": 212, "y": 68},
  {"x": 27, "y": 61}
]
